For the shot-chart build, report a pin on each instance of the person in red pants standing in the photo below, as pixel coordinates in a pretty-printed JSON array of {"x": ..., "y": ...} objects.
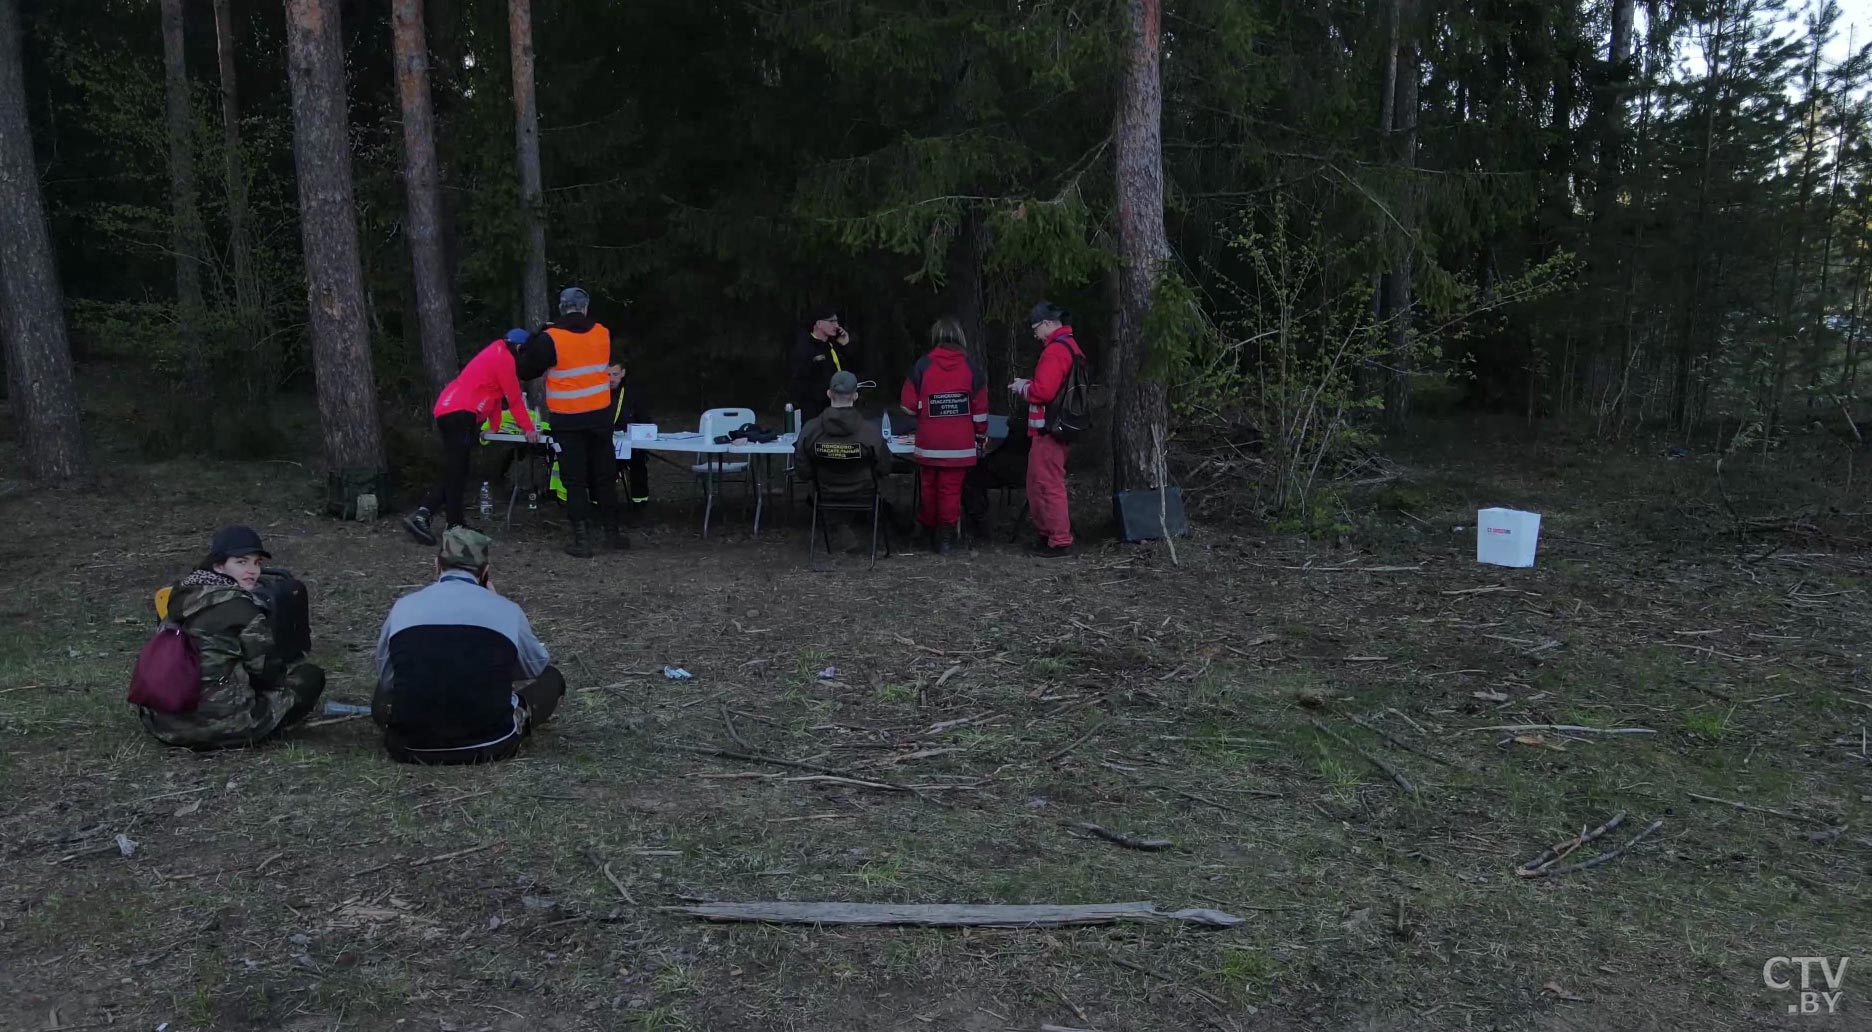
[
  {"x": 1046, "y": 464},
  {"x": 948, "y": 393}
]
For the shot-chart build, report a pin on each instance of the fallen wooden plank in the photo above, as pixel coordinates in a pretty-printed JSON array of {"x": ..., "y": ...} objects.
[{"x": 951, "y": 915}]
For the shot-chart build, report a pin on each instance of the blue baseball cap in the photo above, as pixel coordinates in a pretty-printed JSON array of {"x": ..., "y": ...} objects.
[{"x": 518, "y": 336}]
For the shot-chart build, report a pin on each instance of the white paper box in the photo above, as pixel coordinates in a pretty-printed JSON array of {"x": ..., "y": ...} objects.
[
  {"x": 1506, "y": 537},
  {"x": 642, "y": 433}
]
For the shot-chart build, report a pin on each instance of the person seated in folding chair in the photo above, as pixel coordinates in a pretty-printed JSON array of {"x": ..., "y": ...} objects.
[{"x": 840, "y": 434}]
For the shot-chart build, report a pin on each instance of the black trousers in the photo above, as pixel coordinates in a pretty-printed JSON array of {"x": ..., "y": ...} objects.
[
  {"x": 1006, "y": 466},
  {"x": 459, "y": 431},
  {"x": 588, "y": 469},
  {"x": 538, "y": 699}
]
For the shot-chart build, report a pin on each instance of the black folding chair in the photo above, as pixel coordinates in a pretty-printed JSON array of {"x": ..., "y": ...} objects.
[{"x": 834, "y": 457}]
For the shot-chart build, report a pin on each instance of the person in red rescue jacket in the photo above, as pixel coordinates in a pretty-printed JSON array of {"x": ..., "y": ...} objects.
[
  {"x": 948, "y": 393},
  {"x": 490, "y": 380},
  {"x": 1046, "y": 464}
]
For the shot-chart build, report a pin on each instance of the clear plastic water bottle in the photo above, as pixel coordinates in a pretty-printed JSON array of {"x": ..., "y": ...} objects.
[
  {"x": 487, "y": 500},
  {"x": 887, "y": 432}
]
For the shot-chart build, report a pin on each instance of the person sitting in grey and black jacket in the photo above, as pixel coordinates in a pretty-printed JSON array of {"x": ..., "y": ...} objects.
[{"x": 450, "y": 662}]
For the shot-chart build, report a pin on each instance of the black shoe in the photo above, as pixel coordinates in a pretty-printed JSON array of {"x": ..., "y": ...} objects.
[
  {"x": 979, "y": 532},
  {"x": 417, "y": 523},
  {"x": 615, "y": 539},
  {"x": 1042, "y": 550},
  {"x": 580, "y": 545},
  {"x": 945, "y": 540}
]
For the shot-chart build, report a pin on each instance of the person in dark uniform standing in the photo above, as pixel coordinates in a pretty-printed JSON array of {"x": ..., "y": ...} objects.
[
  {"x": 627, "y": 407},
  {"x": 821, "y": 349},
  {"x": 577, "y": 354}
]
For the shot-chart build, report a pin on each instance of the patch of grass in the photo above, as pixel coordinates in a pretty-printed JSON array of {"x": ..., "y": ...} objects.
[
  {"x": 1708, "y": 724},
  {"x": 1247, "y": 971},
  {"x": 878, "y": 874},
  {"x": 897, "y": 693}
]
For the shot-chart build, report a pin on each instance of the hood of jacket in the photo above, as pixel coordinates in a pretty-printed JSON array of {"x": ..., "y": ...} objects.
[{"x": 201, "y": 591}]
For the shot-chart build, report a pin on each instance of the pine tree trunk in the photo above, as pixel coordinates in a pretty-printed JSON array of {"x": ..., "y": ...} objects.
[
  {"x": 422, "y": 183},
  {"x": 1612, "y": 108},
  {"x": 1140, "y": 418},
  {"x": 1403, "y": 133},
  {"x": 261, "y": 375},
  {"x": 185, "y": 223},
  {"x": 341, "y": 355},
  {"x": 40, "y": 382},
  {"x": 234, "y": 165},
  {"x": 526, "y": 141}
]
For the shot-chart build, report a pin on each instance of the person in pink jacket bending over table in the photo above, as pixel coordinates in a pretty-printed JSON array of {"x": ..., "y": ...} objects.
[{"x": 490, "y": 380}]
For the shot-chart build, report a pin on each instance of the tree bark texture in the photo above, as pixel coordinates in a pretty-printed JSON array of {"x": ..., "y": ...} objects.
[
  {"x": 1402, "y": 132},
  {"x": 341, "y": 356},
  {"x": 32, "y": 315},
  {"x": 234, "y": 169},
  {"x": 187, "y": 238},
  {"x": 422, "y": 183},
  {"x": 526, "y": 141},
  {"x": 1141, "y": 418},
  {"x": 1612, "y": 94}
]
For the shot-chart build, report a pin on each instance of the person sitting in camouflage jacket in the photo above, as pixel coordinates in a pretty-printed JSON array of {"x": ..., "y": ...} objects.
[{"x": 249, "y": 691}]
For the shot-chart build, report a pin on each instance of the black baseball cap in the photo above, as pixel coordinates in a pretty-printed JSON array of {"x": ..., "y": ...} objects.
[
  {"x": 824, "y": 313},
  {"x": 235, "y": 541},
  {"x": 1046, "y": 311}
]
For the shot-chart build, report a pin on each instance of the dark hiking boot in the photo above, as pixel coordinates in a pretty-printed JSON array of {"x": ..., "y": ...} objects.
[
  {"x": 945, "y": 540},
  {"x": 979, "y": 531},
  {"x": 580, "y": 545},
  {"x": 1042, "y": 550},
  {"x": 417, "y": 523},
  {"x": 615, "y": 539}
]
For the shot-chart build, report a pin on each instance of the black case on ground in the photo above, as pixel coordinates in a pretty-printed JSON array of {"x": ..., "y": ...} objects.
[
  {"x": 1149, "y": 515},
  {"x": 289, "y": 610}
]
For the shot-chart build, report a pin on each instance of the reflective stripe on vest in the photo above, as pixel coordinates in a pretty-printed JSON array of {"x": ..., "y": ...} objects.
[
  {"x": 1037, "y": 424},
  {"x": 578, "y": 382},
  {"x": 944, "y": 453}
]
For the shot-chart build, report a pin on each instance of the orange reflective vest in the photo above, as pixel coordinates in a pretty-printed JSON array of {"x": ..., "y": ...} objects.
[{"x": 578, "y": 383}]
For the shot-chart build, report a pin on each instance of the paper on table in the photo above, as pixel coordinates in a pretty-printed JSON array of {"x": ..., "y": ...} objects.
[{"x": 679, "y": 435}]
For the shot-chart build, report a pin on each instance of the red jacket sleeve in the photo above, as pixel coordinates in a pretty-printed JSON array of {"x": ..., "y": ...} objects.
[
  {"x": 1050, "y": 374},
  {"x": 910, "y": 397},
  {"x": 510, "y": 389}
]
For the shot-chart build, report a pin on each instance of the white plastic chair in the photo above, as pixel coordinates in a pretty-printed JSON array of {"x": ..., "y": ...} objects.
[{"x": 712, "y": 470}]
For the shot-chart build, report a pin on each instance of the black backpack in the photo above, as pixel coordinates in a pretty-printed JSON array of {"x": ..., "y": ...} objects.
[{"x": 1069, "y": 414}]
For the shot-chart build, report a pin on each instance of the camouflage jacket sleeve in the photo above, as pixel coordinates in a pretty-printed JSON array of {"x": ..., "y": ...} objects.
[{"x": 263, "y": 663}]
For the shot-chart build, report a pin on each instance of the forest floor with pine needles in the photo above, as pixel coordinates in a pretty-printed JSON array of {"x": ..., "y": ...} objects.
[{"x": 959, "y": 720}]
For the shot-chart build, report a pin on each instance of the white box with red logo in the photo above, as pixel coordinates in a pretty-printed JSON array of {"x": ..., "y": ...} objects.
[{"x": 1506, "y": 537}]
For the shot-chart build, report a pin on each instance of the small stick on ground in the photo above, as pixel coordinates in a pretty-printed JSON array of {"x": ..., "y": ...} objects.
[
  {"x": 1760, "y": 809},
  {"x": 623, "y": 893},
  {"x": 727, "y": 720},
  {"x": 1076, "y": 743},
  {"x": 753, "y": 757},
  {"x": 1161, "y": 977},
  {"x": 1537, "y": 867},
  {"x": 1400, "y": 743},
  {"x": 1118, "y": 838},
  {"x": 445, "y": 857},
  {"x": 1602, "y": 858},
  {"x": 1390, "y": 771},
  {"x": 1573, "y": 728}
]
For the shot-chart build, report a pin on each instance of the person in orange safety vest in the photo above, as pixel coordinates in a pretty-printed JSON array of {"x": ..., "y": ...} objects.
[{"x": 578, "y": 357}]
